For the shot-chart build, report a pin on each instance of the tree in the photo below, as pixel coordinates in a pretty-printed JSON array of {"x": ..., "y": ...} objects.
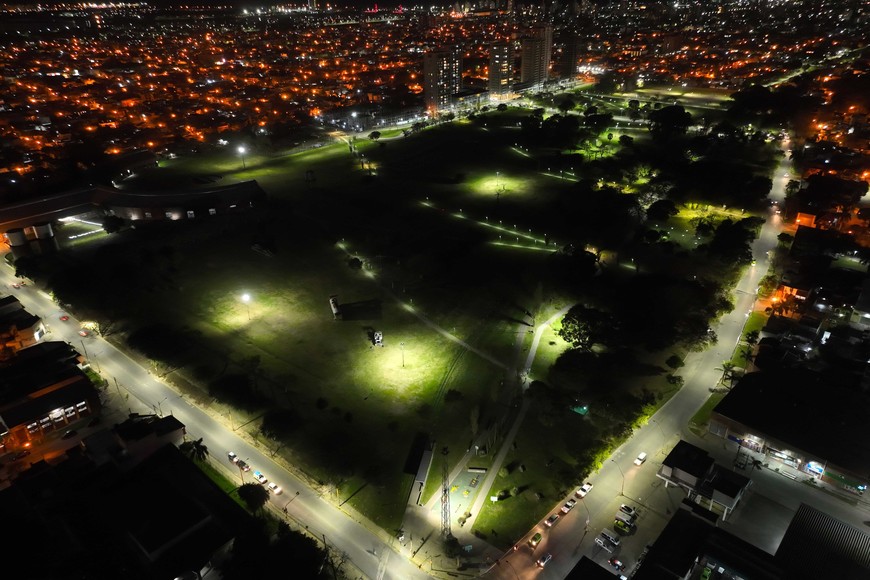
[
  {"x": 501, "y": 108},
  {"x": 254, "y": 495},
  {"x": 751, "y": 337},
  {"x": 375, "y": 135},
  {"x": 669, "y": 122},
  {"x": 785, "y": 239},
  {"x": 565, "y": 105},
  {"x": 728, "y": 371},
  {"x": 112, "y": 224},
  {"x": 675, "y": 362},
  {"x": 196, "y": 450},
  {"x": 626, "y": 140},
  {"x": 584, "y": 327},
  {"x": 661, "y": 211}
]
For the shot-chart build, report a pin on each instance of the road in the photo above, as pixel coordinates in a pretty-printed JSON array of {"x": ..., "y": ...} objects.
[
  {"x": 365, "y": 550},
  {"x": 619, "y": 480}
]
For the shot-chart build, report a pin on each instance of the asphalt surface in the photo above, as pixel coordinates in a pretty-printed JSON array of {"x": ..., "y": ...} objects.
[{"x": 365, "y": 550}]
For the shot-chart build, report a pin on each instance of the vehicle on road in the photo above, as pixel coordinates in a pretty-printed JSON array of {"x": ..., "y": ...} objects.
[
  {"x": 536, "y": 539},
  {"x": 544, "y": 560},
  {"x": 70, "y": 434},
  {"x": 569, "y": 505},
  {"x": 260, "y": 477},
  {"x": 584, "y": 489},
  {"x": 232, "y": 457},
  {"x": 243, "y": 466},
  {"x": 64, "y": 317},
  {"x": 551, "y": 520},
  {"x": 641, "y": 458},
  {"x": 275, "y": 488},
  {"x": 628, "y": 510},
  {"x": 616, "y": 563},
  {"x": 83, "y": 332},
  {"x": 622, "y": 527}
]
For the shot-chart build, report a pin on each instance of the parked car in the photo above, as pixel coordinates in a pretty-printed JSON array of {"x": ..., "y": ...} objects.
[
  {"x": 569, "y": 505},
  {"x": 622, "y": 527},
  {"x": 232, "y": 457},
  {"x": 275, "y": 488},
  {"x": 584, "y": 489},
  {"x": 83, "y": 332},
  {"x": 628, "y": 510},
  {"x": 21, "y": 454},
  {"x": 536, "y": 539},
  {"x": 544, "y": 560},
  {"x": 64, "y": 317},
  {"x": 616, "y": 564},
  {"x": 641, "y": 458},
  {"x": 260, "y": 477},
  {"x": 551, "y": 520},
  {"x": 70, "y": 434},
  {"x": 243, "y": 466}
]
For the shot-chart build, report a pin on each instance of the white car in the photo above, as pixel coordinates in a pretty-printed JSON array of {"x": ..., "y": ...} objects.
[
  {"x": 641, "y": 458},
  {"x": 232, "y": 457},
  {"x": 275, "y": 488},
  {"x": 569, "y": 505},
  {"x": 260, "y": 477},
  {"x": 584, "y": 489},
  {"x": 544, "y": 560},
  {"x": 628, "y": 510}
]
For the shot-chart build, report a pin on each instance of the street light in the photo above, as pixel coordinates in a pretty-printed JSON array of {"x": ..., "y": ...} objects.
[
  {"x": 160, "y": 406},
  {"x": 242, "y": 153},
  {"x": 622, "y": 490},
  {"x": 402, "y": 348},
  {"x": 246, "y": 298}
]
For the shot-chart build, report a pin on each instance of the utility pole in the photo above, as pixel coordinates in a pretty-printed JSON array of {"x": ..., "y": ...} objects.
[{"x": 446, "y": 534}]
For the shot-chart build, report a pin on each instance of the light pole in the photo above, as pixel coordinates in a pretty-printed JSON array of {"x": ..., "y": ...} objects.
[
  {"x": 291, "y": 501},
  {"x": 622, "y": 489},
  {"x": 160, "y": 406},
  {"x": 242, "y": 154},
  {"x": 402, "y": 348},
  {"x": 246, "y": 298},
  {"x": 659, "y": 425}
]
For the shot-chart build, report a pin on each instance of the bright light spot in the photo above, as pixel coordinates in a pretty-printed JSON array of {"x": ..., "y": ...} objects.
[{"x": 246, "y": 298}]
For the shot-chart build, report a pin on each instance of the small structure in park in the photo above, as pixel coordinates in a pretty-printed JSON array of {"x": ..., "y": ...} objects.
[
  {"x": 378, "y": 338},
  {"x": 336, "y": 309}
]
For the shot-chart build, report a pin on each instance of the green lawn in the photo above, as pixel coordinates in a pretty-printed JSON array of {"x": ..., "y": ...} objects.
[
  {"x": 702, "y": 417},
  {"x": 449, "y": 226}
]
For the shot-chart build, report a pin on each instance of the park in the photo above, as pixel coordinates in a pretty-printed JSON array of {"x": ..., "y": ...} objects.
[{"x": 452, "y": 244}]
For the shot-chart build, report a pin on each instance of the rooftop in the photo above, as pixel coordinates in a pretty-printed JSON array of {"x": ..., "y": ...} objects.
[
  {"x": 817, "y": 545},
  {"x": 803, "y": 409}
]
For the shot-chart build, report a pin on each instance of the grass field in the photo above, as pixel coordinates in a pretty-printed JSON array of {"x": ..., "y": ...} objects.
[{"x": 440, "y": 241}]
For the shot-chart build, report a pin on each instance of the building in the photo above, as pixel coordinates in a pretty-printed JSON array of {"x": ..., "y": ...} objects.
[
  {"x": 160, "y": 518},
  {"x": 690, "y": 543},
  {"x": 571, "y": 53},
  {"x": 43, "y": 389},
  {"x": 501, "y": 70},
  {"x": 708, "y": 484},
  {"x": 816, "y": 545},
  {"x": 442, "y": 77},
  {"x": 18, "y": 328},
  {"x": 19, "y": 219},
  {"x": 803, "y": 421},
  {"x": 536, "y": 51}
]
